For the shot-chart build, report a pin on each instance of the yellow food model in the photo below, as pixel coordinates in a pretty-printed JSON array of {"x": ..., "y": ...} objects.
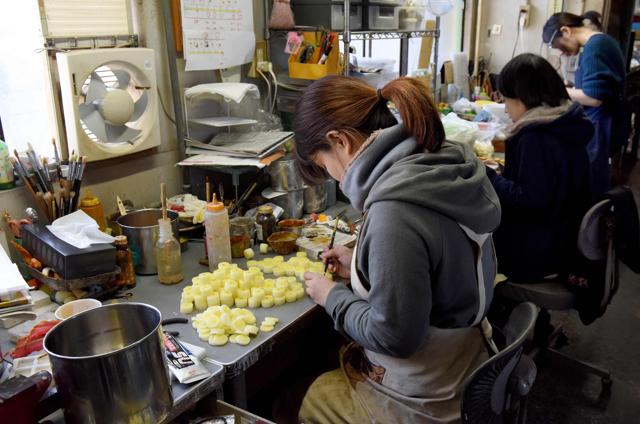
[
  {"x": 231, "y": 286},
  {"x": 219, "y": 325}
]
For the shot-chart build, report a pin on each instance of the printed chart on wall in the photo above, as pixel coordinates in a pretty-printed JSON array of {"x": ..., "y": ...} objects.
[{"x": 217, "y": 33}]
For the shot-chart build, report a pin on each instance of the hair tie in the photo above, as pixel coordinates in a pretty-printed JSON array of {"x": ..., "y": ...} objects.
[{"x": 379, "y": 94}]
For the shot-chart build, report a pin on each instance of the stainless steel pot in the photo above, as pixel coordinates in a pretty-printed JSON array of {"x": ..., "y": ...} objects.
[
  {"x": 292, "y": 202},
  {"x": 284, "y": 174},
  {"x": 315, "y": 199},
  {"x": 142, "y": 231},
  {"x": 109, "y": 365}
]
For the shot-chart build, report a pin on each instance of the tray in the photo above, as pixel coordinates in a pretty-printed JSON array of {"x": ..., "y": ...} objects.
[{"x": 77, "y": 283}]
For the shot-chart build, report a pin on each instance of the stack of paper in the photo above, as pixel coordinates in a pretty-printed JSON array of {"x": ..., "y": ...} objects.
[
  {"x": 243, "y": 145},
  {"x": 14, "y": 291}
]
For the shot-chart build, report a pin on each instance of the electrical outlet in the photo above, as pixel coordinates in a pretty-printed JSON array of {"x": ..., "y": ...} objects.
[
  {"x": 525, "y": 10},
  {"x": 260, "y": 55},
  {"x": 496, "y": 29}
]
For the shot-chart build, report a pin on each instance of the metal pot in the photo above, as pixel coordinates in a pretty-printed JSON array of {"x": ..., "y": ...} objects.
[
  {"x": 109, "y": 365},
  {"x": 292, "y": 202},
  {"x": 284, "y": 174},
  {"x": 315, "y": 199},
  {"x": 142, "y": 231}
]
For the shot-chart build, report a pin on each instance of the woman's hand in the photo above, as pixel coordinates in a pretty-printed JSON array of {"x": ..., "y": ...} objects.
[
  {"x": 318, "y": 287},
  {"x": 339, "y": 260}
]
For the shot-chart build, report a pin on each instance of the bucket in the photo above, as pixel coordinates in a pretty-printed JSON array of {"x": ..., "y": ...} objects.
[
  {"x": 109, "y": 365},
  {"x": 142, "y": 231}
]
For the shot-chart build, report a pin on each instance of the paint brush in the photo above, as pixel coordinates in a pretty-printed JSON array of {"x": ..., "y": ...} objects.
[
  {"x": 333, "y": 238},
  {"x": 163, "y": 200}
]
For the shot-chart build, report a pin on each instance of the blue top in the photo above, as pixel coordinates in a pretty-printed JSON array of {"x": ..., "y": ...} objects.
[{"x": 600, "y": 74}]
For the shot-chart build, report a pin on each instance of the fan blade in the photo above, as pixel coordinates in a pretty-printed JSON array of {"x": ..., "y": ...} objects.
[
  {"x": 139, "y": 107},
  {"x": 96, "y": 90},
  {"x": 86, "y": 109},
  {"x": 95, "y": 123},
  {"x": 120, "y": 134},
  {"x": 123, "y": 78}
]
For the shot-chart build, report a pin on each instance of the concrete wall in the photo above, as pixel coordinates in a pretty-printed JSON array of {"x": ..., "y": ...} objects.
[
  {"x": 506, "y": 12},
  {"x": 134, "y": 177}
]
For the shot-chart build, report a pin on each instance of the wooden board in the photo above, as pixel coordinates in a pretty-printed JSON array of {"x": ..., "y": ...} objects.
[{"x": 426, "y": 46}]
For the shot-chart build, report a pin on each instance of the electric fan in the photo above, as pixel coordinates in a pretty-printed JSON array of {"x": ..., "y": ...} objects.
[{"x": 109, "y": 97}]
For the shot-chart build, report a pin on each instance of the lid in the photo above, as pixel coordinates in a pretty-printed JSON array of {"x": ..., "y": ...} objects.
[
  {"x": 165, "y": 227},
  {"x": 87, "y": 202},
  {"x": 215, "y": 206},
  {"x": 265, "y": 210},
  {"x": 121, "y": 240}
]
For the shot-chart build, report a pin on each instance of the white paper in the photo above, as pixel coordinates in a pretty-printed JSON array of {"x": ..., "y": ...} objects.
[
  {"x": 220, "y": 160},
  {"x": 217, "y": 33},
  {"x": 79, "y": 230},
  {"x": 11, "y": 281}
]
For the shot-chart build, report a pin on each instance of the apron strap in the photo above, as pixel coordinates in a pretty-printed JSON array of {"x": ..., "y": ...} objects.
[{"x": 479, "y": 240}]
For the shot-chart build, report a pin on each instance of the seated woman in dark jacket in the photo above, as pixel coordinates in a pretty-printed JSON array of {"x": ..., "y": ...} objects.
[{"x": 544, "y": 189}]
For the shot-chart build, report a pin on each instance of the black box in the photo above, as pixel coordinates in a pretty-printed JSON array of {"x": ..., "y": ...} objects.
[{"x": 67, "y": 260}]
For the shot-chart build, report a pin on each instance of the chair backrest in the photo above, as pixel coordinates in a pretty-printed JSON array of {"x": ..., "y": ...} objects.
[{"x": 488, "y": 390}]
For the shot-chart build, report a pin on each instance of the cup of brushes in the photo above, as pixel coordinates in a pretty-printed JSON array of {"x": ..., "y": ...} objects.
[{"x": 53, "y": 203}]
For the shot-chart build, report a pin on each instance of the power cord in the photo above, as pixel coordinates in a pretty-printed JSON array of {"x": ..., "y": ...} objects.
[
  {"x": 268, "y": 87},
  {"x": 164, "y": 109},
  {"x": 275, "y": 94}
]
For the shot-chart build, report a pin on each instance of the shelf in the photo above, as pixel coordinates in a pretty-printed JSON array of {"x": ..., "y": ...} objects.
[
  {"x": 389, "y": 35},
  {"x": 369, "y": 35},
  {"x": 223, "y": 121}
]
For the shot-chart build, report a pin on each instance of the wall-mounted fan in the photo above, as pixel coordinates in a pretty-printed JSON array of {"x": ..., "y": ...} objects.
[{"x": 110, "y": 101}]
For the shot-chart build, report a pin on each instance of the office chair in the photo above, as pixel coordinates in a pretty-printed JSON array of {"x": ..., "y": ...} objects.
[
  {"x": 596, "y": 242},
  {"x": 496, "y": 391}
]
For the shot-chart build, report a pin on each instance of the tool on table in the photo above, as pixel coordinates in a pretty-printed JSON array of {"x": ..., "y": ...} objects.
[
  {"x": 333, "y": 237},
  {"x": 207, "y": 190}
]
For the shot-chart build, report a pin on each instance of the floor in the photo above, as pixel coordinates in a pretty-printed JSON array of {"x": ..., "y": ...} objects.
[{"x": 563, "y": 396}]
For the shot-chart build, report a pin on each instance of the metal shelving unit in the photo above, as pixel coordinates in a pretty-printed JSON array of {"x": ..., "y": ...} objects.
[{"x": 391, "y": 35}]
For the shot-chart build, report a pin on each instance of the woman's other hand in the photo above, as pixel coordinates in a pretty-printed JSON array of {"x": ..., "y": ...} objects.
[
  {"x": 318, "y": 287},
  {"x": 339, "y": 260}
]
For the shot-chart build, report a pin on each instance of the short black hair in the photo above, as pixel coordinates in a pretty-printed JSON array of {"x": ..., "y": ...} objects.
[{"x": 532, "y": 80}]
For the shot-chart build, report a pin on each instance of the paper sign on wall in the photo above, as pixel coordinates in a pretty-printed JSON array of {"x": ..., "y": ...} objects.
[{"x": 217, "y": 33}]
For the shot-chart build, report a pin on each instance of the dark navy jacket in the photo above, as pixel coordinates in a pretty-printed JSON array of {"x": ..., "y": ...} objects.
[{"x": 544, "y": 191}]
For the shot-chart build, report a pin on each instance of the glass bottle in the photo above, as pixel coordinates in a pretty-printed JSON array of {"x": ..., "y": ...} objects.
[
  {"x": 124, "y": 259},
  {"x": 265, "y": 223},
  {"x": 168, "y": 255},
  {"x": 216, "y": 225}
]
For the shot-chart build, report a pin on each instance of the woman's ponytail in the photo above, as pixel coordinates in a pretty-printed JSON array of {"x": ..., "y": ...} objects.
[{"x": 419, "y": 113}]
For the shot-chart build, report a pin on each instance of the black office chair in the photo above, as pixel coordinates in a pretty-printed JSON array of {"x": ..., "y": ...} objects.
[
  {"x": 496, "y": 391},
  {"x": 597, "y": 243}
]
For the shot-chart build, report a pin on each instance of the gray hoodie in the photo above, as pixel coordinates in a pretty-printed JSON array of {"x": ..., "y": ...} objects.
[{"x": 414, "y": 258}]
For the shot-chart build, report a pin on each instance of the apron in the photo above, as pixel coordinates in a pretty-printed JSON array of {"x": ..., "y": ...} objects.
[{"x": 427, "y": 387}]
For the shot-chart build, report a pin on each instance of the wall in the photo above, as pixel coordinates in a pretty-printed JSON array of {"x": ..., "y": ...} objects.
[
  {"x": 134, "y": 177},
  {"x": 505, "y": 13}
]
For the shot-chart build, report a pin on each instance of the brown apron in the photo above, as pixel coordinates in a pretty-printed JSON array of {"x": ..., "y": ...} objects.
[{"x": 426, "y": 387}]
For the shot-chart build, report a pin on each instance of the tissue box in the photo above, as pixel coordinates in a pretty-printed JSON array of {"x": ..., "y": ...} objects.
[{"x": 68, "y": 261}]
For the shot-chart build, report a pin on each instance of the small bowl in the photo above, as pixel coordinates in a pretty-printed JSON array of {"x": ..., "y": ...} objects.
[
  {"x": 283, "y": 242},
  {"x": 75, "y": 307},
  {"x": 292, "y": 225}
]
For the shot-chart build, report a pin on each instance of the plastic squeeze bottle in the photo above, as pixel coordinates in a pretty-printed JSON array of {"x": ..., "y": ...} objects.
[{"x": 216, "y": 225}]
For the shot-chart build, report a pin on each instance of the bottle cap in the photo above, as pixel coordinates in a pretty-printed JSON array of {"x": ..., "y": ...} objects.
[
  {"x": 121, "y": 240},
  {"x": 87, "y": 201},
  {"x": 215, "y": 206},
  {"x": 265, "y": 210}
]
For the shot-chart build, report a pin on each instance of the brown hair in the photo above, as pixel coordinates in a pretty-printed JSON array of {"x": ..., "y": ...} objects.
[{"x": 350, "y": 105}]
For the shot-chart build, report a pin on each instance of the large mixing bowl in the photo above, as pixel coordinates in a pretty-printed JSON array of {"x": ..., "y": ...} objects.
[{"x": 109, "y": 365}]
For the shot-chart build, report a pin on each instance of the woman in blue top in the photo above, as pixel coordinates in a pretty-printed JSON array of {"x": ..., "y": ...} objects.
[{"x": 598, "y": 86}]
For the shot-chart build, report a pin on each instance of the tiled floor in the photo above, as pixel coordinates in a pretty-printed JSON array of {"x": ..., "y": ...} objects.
[{"x": 563, "y": 396}]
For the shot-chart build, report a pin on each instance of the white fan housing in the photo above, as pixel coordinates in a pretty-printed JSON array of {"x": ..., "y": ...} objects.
[{"x": 110, "y": 101}]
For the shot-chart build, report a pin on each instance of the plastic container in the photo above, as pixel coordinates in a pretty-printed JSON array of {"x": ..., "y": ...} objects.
[
  {"x": 168, "y": 258},
  {"x": 91, "y": 206},
  {"x": 311, "y": 70},
  {"x": 382, "y": 17},
  {"x": 216, "y": 224},
  {"x": 6, "y": 169}
]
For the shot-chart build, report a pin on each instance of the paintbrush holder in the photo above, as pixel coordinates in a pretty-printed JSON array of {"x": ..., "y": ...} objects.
[{"x": 311, "y": 69}]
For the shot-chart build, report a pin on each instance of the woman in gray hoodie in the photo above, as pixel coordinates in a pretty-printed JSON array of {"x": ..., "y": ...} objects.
[{"x": 420, "y": 278}]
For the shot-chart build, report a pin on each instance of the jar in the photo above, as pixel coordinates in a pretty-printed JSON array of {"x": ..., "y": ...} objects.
[
  {"x": 124, "y": 259},
  {"x": 265, "y": 223},
  {"x": 242, "y": 232}
]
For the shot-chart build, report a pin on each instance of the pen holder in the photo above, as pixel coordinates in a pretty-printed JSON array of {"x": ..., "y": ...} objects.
[{"x": 312, "y": 70}]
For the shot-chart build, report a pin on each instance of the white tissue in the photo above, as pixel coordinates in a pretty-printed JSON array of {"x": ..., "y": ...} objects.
[{"x": 79, "y": 230}]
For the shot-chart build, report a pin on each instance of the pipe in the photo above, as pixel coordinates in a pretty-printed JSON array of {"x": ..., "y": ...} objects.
[{"x": 476, "y": 54}]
